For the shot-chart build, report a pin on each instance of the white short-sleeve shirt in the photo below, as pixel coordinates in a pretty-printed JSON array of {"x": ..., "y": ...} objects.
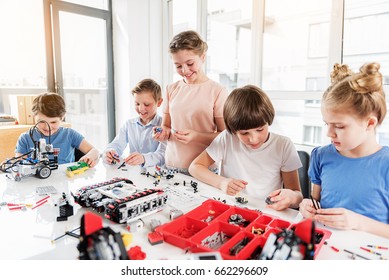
[{"x": 261, "y": 167}]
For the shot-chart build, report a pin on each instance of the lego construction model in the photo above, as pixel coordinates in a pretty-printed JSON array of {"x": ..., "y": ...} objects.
[
  {"x": 42, "y": 158},
  {"x": 79, "y": 168},
  {"x": 98, "y": 242},
  {"x": 120, "y": 200}
]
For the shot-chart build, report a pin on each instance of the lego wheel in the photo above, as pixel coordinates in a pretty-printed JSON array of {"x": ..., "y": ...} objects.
[{"x": 43, "y": 172}]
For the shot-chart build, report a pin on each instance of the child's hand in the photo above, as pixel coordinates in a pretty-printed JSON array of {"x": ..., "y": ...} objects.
[
  {"x": 161, "y": 134},
  {"x": 280, "y": 199},
  {"x": 232, "y": 186},
  {"x": 111, "y": 157},
  {"x": 184, "y": 136},
  {"x": 135, "y": 159},
  {"x": 89, "y": 161},
  {"x": 340, "y": 218},
  {"x": 307, "y": 209}
]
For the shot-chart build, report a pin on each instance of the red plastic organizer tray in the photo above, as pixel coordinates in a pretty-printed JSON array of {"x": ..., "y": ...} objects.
[{"x": 201, "y": 228}]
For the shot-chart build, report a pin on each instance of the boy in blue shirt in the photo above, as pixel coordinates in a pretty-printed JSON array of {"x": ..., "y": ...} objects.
[
  {"x": 49, "y": 111},
  {"x": 137, "y": 132}
]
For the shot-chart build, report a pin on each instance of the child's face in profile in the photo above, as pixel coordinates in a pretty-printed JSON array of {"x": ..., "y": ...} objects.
[
  {"x": 347, "y": 132},
  {"x": 146, "y": 106},
  {"x": 54, "y": 123},
  {"x": 189, "y": 65},
  {"x": 254, "y": 138}
]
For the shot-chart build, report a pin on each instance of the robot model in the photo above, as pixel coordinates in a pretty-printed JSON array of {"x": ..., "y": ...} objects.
[{"x": 39, "y": 161}]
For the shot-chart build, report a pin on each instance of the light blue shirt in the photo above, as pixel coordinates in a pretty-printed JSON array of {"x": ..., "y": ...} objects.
[
  {"x": 66, "y": 139},
  {"x": 139, "y": 139},
  {"x": 358, "y": 184}
]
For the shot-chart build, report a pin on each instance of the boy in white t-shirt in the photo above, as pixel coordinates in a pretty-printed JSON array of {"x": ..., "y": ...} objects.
[{"x": 254, "y": 161}]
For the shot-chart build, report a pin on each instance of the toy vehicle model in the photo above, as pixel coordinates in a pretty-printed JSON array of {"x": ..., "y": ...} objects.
[
  {"x": 38, "y": 164},
  {"x": 79, "y": 168},
  {"x": 120, "y": 200},
  {"x": 39, "y": 161}
]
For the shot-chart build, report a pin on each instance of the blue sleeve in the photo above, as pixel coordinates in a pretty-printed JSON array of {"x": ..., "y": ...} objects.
[
  {"x": 119, "y": 143},
  {"x": 24, "y": 144},
  {"x": 157, "y": 157},
  {"x": 314, "y": 171},
  {"x": 76, "y": 138}
]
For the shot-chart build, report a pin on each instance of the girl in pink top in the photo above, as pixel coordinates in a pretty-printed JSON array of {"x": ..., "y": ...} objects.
[{"x": 193, "y": 107}]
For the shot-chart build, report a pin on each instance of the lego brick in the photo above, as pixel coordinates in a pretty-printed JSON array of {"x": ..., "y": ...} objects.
[{"x": 155, "y": 238}]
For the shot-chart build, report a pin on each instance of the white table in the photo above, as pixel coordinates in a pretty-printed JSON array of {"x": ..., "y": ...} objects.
[{"x": 27, "y": 234}]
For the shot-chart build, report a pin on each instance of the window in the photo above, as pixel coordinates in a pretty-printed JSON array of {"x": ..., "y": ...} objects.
[
  {"x": 227, "y": 33},
  {"x": 294, "y": 53},
  {"x": 318, "y": 40},
  {"x": 184, "y": 17},
  {"x": 84, "y": 82},
  {"x": 295, "y": 43},
  {"x": 312, "y": 135},
  {"x": 99, "y": 4},
  {"x": 229, "y": 41},
  {"x": 83, "y": 75},
  {"x": 22, "y": 50},
  {"x": 366, "y": 39}
]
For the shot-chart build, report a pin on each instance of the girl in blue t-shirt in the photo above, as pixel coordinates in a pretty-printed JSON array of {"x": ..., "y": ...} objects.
[{"x": 350, "y": 176}]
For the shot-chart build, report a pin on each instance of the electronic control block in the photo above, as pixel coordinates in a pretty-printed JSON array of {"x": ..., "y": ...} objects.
[{"x": 120, "y": 200}]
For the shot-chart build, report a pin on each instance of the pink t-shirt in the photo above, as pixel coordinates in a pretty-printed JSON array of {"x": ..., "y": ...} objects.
[{"x": 192, "y": 106}]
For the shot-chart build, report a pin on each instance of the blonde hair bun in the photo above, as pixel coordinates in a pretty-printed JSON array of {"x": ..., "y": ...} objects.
[
  {"x": 339, "y": 72},
  {"x": 368, "y": 80}
]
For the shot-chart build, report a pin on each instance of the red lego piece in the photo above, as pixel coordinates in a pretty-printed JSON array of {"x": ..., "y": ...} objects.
[
  {"x": 155, "y": 238},
  {"x": 135, "y": 253}
]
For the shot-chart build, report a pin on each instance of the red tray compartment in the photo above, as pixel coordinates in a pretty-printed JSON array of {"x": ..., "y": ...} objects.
[
  {"x": 325, "y": 234},
  {"x": 179, "y": 231},
  {"x": 250, "y": 249},
  {"x": 246, "y": 214},
  {"x": 256, "y": 227},
  {"x": 264, "y": 219},
  {"x": 207, "y": 238},
  {"x": 227, "y": 249},
  {"x": 208, "y": 211},
  {"x": 279, "y": 224}
]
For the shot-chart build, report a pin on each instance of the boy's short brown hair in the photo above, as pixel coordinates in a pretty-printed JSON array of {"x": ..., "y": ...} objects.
[
  {"x": 247, "y": 108},
  {"x": 49, "y": 104},
  {"x": 148, "y": 85}
]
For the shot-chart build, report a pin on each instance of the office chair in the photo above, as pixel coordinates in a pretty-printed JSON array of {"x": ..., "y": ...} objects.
[{"x": 303, "y": 174}]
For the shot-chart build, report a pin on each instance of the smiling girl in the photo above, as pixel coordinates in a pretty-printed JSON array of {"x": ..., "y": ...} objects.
[{"x": 193, "y": 107}]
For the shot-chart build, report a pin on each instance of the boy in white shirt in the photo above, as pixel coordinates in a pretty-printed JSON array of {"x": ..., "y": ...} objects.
[
  {"x": 254, "y": 161},
  {"x": 137, "y": 132}
]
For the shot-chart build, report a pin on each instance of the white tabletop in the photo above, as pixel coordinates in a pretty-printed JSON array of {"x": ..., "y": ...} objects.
[{"x": 28, "y": 234}]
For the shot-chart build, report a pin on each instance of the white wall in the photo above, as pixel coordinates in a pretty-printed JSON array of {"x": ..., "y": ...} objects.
[{"x": 137, "y": 53}]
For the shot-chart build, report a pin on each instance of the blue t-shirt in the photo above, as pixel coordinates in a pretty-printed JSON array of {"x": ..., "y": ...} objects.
[
  {"x": 66, "y": 139},
  {"x": 358, "y": 184}
]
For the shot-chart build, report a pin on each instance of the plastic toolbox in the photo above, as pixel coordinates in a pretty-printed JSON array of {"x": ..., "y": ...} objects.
[{"x": 215, "y": 226}]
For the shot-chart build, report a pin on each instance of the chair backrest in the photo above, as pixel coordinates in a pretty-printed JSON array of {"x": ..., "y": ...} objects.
[
  {"x": 303, "y": 174},
  {"x": 77, "y": 155}
]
